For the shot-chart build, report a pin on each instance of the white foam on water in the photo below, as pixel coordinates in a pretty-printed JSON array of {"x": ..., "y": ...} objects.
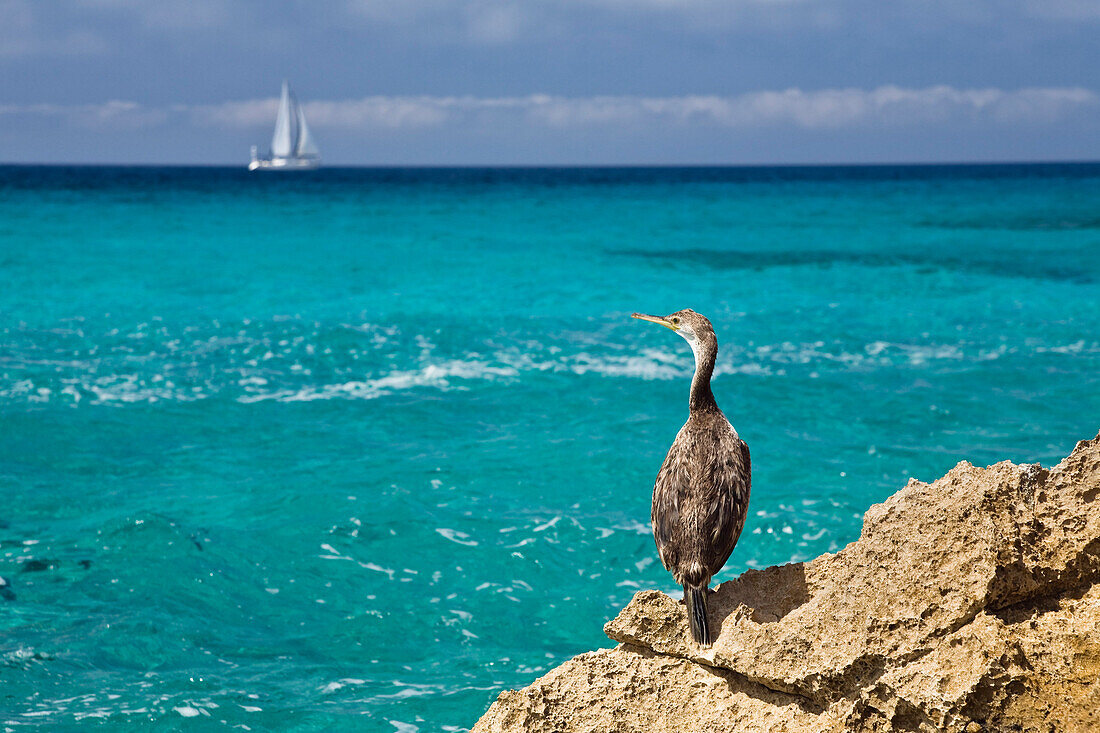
[
  {"x": 636, "y": 527},
  {"x": 456, "y": 536},
  {"x": 377, "y": 569},
  {"x": 340, "y": 684},
  {"x": 750, "y": 369},
  {"x": 276, "y": 361},
  {"x": 411, "y": 691},
  {"x": 334, "y": 554},
  {"x": 875, "y": 348},
  {"x": 1077, "y": 347},
  {"x": 547, "y": 525},
  {"x": 437, "y": 376},
  {"x": 649, "y": 364}
]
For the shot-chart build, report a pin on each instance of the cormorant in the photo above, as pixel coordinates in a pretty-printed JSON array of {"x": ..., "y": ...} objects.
[{"x": 701, "y": 494}]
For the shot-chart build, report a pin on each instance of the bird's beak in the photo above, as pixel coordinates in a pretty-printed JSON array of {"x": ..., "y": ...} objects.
[{"x": 653, "y": 319}]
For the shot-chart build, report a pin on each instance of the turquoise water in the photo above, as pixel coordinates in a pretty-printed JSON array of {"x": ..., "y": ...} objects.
[{"x": 359, "y": 449}]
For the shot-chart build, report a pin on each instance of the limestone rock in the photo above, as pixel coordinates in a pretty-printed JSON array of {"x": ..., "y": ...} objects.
[
  {"x": 971, "y": 603},
  {"x": 634, "y": 689}
]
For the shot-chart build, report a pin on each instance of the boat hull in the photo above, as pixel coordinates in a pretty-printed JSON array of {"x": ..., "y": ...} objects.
[{"x": 285, "y": 164}]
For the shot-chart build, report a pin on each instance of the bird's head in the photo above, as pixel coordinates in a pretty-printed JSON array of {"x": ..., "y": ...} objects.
[{"x": 694, "y": 327}]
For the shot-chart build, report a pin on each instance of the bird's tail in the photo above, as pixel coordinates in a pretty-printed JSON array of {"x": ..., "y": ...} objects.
[{"x": 697, "y": 614}]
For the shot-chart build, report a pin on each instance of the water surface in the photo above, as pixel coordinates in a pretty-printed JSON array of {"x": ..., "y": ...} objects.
[{"x": 358, "y": 449}]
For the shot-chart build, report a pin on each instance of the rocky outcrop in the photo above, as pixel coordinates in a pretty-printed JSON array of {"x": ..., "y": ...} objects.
[{"x": 968, "y": 604}]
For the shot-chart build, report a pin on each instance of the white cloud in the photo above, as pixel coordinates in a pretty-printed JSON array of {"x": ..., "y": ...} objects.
[
  {"x": 246, "y": 113},
  {"x": 821, "y": 109},
  {"x": 1042, "y": 105},
  {"x": 391, "y": 112},
  {"x": 828, "y": 108},
  {"x": 115, "y": 114}
]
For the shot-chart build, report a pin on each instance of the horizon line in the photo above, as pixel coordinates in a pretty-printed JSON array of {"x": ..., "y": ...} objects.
[{"x": 575, "y": 166}]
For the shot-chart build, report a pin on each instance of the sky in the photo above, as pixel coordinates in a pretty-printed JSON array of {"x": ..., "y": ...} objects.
[{"x": 553, "y": 82}]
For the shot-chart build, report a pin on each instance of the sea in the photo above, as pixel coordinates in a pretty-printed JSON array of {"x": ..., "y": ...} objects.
[{"x": 358, "y": 449}]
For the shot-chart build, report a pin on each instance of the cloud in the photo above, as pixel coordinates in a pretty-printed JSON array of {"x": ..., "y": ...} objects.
[
  {"x": 824, "y": 109},
  {"x": 891, "y": 105},
  {"x": 246, "y": 113},
  {"x": 820, "y": 109},
  {"x": 115, "y": 114}
]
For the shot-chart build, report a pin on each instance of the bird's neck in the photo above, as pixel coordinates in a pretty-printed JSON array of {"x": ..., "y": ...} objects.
[{"x": 702, "y": 399}]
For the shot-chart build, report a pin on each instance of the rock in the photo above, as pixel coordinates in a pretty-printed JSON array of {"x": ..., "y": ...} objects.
[
  {"x": 630, "y": 688},
  {"x": 971, "y": 603}
]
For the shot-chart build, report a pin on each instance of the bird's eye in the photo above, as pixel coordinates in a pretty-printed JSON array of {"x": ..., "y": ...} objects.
[{"x": 675, "y": 321}]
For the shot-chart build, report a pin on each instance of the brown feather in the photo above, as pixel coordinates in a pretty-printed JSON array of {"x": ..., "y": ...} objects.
[{"x": 701, "y": 495}]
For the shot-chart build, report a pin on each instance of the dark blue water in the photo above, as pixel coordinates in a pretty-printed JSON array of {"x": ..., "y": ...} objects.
[{"x": 360, "y": 448}]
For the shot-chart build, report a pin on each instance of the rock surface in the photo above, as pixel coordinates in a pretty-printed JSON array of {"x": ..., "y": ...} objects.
[{"x": 968, "y": 604}]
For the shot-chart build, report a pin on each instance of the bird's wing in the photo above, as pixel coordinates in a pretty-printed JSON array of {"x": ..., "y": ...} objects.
[
  {"x": 672, "y": 484},
  {"x": 731, "y": 478}
]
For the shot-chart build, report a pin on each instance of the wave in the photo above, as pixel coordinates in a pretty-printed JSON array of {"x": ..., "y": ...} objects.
[
  {"x": 437, "y": 376},
  {"x": 298, "y": 361}
]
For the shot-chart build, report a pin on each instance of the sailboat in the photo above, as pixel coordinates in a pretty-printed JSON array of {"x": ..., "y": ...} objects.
[{"x": 292, "y": 147}]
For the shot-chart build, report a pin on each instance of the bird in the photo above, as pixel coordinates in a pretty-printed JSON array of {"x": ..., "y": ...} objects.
[{"x": 701, "y": 495}]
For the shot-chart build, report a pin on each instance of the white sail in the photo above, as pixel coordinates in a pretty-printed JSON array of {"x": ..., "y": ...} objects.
[
  {"x": 292, "y": 147},
  {"x": 282, "y": 140},
  {"x": 306, "y": 147}
]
